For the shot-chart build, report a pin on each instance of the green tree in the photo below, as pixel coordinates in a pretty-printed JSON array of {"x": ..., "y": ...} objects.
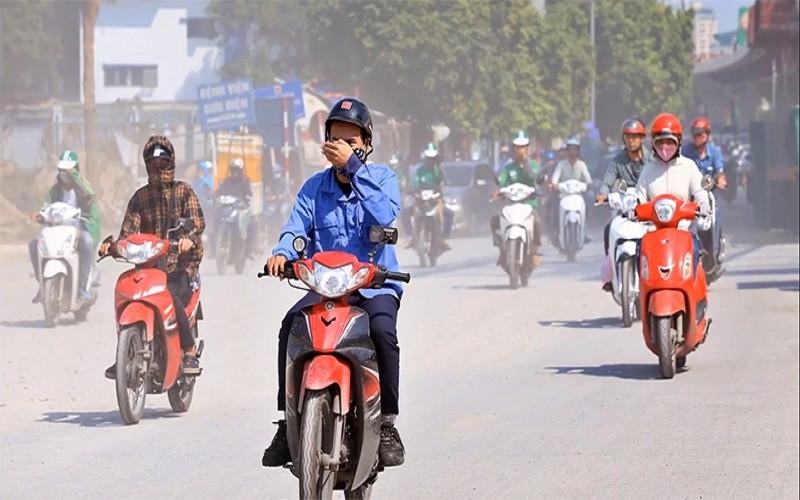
[
  {"x": 27, "y": 51},
  {"x": 643, "y": 61}
]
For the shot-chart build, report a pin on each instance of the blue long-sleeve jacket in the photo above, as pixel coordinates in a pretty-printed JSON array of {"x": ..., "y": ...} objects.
[
  {"x": 711, "y": 164},
  {"x": 330, "y": 220}
]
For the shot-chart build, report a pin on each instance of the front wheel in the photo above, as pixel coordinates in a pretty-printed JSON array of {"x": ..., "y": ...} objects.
[
  {"x": 51, "y": 300},
  {"x": 316, "y": 441},
  {"x": 512, "y": 253},
  {"x": 572, "y": 242},
  {"x": 422, "y": 245},
  {"x": 628, "y": 296},
  {"x": 666, "y": 346},
  {"x": 223, "y": 250},
  {"x": 132, "y": 381}
]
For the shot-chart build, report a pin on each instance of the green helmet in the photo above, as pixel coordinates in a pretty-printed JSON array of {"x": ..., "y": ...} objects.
[
  {"x": 521, "y": 139},
  {"x": 431, "y": 151},
  {"x": 68, "y": 160}
]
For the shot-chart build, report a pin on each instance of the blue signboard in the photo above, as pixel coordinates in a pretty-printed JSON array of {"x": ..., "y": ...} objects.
[
  {"x": 292, "y": 88},
  {"x": 269, "y": 123},
  {"x": 225, "y": 104}
]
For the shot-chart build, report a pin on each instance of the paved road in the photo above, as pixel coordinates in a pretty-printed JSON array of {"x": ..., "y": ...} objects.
[{"x": 532, "y": 393}]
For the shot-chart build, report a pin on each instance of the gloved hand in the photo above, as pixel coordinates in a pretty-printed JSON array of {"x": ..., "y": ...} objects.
[{"x": 704, "y": 208}]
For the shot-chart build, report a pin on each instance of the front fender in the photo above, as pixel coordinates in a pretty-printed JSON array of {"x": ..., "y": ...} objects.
[
  {"x": 53, "y": 267},
  {"x": 323, "y": 371},
  {"x": 572, "y": 217},
  {"x": 137, "y": 312},
  {"x": 666, "y": 302},
  {"x": 516, "y": 233}
]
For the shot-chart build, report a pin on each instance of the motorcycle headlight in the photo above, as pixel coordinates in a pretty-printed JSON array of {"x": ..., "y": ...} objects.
[
  {"x": 665, "y": 210},
  {"x": 332, "y": 282},
  {"x": 645, "y": 269},
  {"x": 139, "y": 254},
  {"x": 629, "y": 202}
]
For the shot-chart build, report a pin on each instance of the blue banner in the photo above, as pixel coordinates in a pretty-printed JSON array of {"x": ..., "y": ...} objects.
[
  {"x": 225, "y": 104},
  {"x": 292, "y": 88}
]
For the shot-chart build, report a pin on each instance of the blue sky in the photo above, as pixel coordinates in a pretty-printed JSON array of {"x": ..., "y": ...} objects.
[{"x": 726, "y": 12}]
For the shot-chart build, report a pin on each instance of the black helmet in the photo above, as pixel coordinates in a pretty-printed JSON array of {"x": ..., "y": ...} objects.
[{"x": 350, "y": 110}]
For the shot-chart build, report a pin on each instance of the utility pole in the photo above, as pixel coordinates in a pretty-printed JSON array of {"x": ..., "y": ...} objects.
[{"x": 594, "y": 62}]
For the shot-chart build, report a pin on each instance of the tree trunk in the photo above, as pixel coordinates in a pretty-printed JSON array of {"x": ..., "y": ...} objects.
[{"x": 89, "y": 10}]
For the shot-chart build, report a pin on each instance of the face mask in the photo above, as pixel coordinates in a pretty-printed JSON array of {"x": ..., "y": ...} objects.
[
  {"x": 666, "y": 150},
  {"x": 65, "y": 177},
  {"x": 160, "y": 176},
  {"x": 361, "y": 153}
]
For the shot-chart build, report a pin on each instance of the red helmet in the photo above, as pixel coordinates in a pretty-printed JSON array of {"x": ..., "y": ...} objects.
[
  {"x": 701, "y": 125},
  {"x": 666, "y": 125},
  {"x": 633, "y": 126}
]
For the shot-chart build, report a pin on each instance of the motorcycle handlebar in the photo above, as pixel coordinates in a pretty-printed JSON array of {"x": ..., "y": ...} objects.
[{"x": 404, "y": 277}]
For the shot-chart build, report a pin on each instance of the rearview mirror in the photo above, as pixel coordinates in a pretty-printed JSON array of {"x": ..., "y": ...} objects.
[
  {"x": 708, "y": 182},
  {"x": 383, "y": 235},
  {"x": 620, "y": 185},
  {"x": 299, "y": 244}
]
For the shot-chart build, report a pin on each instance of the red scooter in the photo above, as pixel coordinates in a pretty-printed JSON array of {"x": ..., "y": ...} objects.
[
  {"x": 333, "y": 398},
  {"x": 148, "y": 345},
  {"x": 673, "y": 293}
]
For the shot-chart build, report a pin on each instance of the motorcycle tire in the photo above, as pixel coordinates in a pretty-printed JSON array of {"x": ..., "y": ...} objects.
[
  {"x": 181, "y": 393},
  {"x": 316, "y": 439},
  {"x": 51, "y": 300},
  {"x": 363, "y": 492},
  {"x": 666, "y": 346},
  {"x": 572, "y": 242},
  {"x": 527, "y": 267},
  {"x": 627, "y": 298},
  {"x": 512, "y": 253},
  {"x": 422, "y": 247},
  {"x": 131, "y": 375},
  {"x": 241, "y": 260},
  {"x": 223, "y": 248},
  {"x": 82, "y": 313}
]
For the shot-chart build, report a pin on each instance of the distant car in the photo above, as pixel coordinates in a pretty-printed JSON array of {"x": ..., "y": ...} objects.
[{"x": 468, "y": 186}]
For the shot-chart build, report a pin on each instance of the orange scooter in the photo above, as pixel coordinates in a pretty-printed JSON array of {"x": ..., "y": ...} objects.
[{"x": 674, "y": 296}]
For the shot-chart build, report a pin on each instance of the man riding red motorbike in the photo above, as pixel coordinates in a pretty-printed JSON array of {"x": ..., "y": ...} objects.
[
  {"x": 334, "y": 210},
  {"x": 152, "y": 210}
]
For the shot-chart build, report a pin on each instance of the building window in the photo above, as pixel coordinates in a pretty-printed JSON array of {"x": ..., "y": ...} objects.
[
  {"x": 201, "y": 27},
  {"x": 130, "y": 76}
]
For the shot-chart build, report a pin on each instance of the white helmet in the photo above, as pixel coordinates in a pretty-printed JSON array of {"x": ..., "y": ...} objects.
[{"x": 237, "y": 163}]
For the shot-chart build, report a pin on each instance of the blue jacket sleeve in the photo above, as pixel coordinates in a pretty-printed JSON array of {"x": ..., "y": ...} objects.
[
  {"x": 717, "y": 162},
  {"x": 300, "y": 221},
  {"x": 379, "y": 194}
]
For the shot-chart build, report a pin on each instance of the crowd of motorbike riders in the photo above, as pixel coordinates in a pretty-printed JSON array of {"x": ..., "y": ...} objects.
[{"x": 335, "y": 205}]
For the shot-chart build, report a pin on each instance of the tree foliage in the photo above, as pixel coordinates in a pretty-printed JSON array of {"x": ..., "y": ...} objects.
[{"x": 27, "y": 50}]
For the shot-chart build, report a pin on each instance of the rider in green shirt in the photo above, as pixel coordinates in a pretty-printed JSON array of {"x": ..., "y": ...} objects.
[
  {"x": 526, "y": 171},
  {"x": 430, "y": 176}
]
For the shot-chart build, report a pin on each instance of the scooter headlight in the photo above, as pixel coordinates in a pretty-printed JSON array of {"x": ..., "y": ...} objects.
[
  {"x": 665, "y": 210},
  {"x": 645, "y": 268},
  {"x": 332, "y": 282},
  {"x": 139, "y": 254}
]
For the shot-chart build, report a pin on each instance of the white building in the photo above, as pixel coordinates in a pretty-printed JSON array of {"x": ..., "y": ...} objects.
[
  {"x": 157, "y": 50},
  {"x": 705, "y": 27}
]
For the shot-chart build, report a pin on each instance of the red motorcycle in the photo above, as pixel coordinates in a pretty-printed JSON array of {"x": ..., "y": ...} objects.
[
  {"x": 673, "y": 293},
  {"x": 333, "y": 398},
  {"x": 148, "y": 345}
]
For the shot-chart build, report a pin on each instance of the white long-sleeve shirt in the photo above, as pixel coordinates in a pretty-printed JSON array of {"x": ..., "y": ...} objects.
[
  {"x": 679, "y": 177},
  {"x": 565, "y": 172}
]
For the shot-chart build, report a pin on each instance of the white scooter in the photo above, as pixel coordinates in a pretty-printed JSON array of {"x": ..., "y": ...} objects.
[
  {"x": 516, "y": 229},
  {"x": 623, "y": 237},
  {"x": 571, "y": 217},
  {"x": 58, "y": 263}
]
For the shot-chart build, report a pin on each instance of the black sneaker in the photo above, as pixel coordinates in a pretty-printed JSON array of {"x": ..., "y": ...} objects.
[
  {"x": 608, "y": 287},
  {"x": 391, "y": 452},
  {"x": 111, "y": 372},
  {"x": 37, "y": 298},
  {"x": 277, "y": 455},
  {"x": 191, "y": 365}
]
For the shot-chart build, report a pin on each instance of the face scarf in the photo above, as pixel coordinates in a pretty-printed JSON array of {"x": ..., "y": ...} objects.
[
  {"x": 666, "y": 150},
  {"x": 65, "y": 178},
  {"x": 160, "y": 175}
]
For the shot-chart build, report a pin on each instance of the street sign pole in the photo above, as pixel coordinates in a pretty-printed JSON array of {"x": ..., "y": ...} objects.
[{"x": 286, "y": 138}]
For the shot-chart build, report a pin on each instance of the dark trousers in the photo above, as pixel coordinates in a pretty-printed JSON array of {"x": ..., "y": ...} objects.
[
  {"x": 382, "y": 312},
  {"x": 178, "y": 286}
]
